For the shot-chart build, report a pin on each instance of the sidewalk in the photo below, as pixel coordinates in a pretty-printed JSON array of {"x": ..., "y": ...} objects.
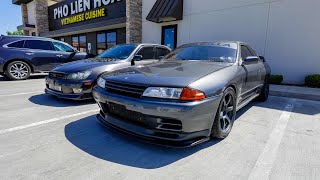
[{"x": 295, "y": 92}]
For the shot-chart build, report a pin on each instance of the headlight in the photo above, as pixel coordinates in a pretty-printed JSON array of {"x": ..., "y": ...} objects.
[
  {"x": 162, "y": 92},
  {"x": 185, "y": 94},
  {"x": 101, "y": 82},
  {"x": 79, "y": 75}
]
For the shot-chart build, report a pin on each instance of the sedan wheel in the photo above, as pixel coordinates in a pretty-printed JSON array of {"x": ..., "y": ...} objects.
[
  {"x": 18, "y": 70},
  {"x": 225, "y": 116}
]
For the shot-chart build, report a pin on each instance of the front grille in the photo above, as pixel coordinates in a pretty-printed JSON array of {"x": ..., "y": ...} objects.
[
  {"x": 121, "y": 112},
  {"x": 56, "y": 75},
  {"x": 125, "y": 89}
]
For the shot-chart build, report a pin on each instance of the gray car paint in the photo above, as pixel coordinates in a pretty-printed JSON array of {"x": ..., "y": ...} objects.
[{"x": 212, "y": 78}]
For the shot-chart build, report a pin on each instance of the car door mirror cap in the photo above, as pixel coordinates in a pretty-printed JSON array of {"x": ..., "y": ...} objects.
[
  {"x": 136, "y": 58},
  {"x": 251, "y": 59}
]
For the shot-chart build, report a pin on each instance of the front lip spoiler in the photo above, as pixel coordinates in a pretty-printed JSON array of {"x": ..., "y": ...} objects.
[
  {"x": 67, "y": 96},
  {"x": 166, "y": 143}
]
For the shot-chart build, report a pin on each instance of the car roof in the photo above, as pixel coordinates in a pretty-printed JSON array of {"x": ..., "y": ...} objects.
[{"x": 27, "y": 37}]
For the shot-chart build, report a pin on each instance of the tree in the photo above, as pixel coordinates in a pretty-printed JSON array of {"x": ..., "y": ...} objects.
[{"x": 15, "y": 33}]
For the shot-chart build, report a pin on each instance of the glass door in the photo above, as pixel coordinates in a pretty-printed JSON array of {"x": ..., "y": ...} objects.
[{"x": 169, "y": 36}]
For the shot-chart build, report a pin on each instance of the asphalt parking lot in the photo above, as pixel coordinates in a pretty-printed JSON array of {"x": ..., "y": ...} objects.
[{"x": 42, "y": 137}]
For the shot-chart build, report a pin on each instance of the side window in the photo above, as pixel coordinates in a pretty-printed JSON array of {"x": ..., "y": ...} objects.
[
  {"x": 147, "y": 53},
  {"x": 62, "y": 47},
  {"x": 245, "y": 52},
  {"x": 253, "y": 52},
  {"x": 161, "y": 52},
  {"x": 37, "y": 44},
  {"x": 17, "y": 44}
]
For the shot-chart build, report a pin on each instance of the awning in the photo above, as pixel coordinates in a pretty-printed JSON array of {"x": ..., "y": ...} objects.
[{"x": 166, "y": 10}]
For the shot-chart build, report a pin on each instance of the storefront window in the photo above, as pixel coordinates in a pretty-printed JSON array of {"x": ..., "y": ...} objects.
[
  {"x": 83, "y": 43},
  {"x": 111, "y": 39},
  {"x": 80, "y": 43},
  {"x": 101, "y": 42},
  {"x": 75, "y": 42},
  {"x": 106, "y": 40},
  {"x": 169, "y": 36}
]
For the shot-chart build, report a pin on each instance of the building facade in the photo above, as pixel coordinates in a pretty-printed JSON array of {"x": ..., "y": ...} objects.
[{"x": 286, "y": 32}]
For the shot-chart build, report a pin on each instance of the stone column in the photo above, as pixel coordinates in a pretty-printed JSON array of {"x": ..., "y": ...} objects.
[
  {"x": 134, "y": 21},
  {"x": 41, "y": 10},
  {"x": 24, "y": 12}
]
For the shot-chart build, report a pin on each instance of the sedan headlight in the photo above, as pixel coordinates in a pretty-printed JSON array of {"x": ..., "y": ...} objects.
[
  {"x": 79, "y": 75},
  {"x": 101, "y": 82},
  {"x": 162, "y": 92},
  {"x": 185, "y": 94}
]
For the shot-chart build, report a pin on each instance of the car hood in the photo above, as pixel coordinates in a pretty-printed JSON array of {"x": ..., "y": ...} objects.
[
  {"x": 85, "y": 65},
  {"x": 166, "y": 73}
]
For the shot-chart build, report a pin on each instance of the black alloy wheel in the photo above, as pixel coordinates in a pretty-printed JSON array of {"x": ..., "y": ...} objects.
[{"x": 225, "y": 115}]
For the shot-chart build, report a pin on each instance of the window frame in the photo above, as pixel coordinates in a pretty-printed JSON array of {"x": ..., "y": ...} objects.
[
  {"x": 157, "y": 51},
  {"x": 50, "y": 42},
  {"x": 247, "y": 49},
  {"x": 175, "y": 40},
  {"x": 106, "y": 38},
  {"x": 154, "y": 54},
  {"x": 78, "y": 40},
  {"x": 7, "y": 45}
]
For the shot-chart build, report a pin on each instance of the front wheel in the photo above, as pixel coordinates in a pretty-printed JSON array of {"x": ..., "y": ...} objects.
[
  {"x": 18, "y": 70},
  {"x": 225, "y": 115}
]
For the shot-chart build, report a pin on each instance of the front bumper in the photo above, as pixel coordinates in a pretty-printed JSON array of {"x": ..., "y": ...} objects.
[
  {"x": 67, "y": 87},
  {"x": 160, "y": 122}
]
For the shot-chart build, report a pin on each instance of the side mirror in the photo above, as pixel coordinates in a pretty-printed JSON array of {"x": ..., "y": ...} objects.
[
  {"x": 161, "y": 57},
  {"x": 136, "y": 58},
  {"x": 262, "y": 58},
  {"x": 251, "y": 59}
]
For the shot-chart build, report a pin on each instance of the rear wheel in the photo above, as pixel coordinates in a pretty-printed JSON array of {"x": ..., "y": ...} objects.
[
  {"x": 225, "y": 116},
  {"x": 264, "y": 94},
  {"x": 18, "y": 70}
]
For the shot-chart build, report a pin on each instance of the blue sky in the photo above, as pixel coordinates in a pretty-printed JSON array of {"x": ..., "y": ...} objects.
[{"x": 10, "y": 16}]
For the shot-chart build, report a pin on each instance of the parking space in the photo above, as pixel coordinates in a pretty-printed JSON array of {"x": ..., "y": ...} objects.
[{"x": 42, "y": 136}]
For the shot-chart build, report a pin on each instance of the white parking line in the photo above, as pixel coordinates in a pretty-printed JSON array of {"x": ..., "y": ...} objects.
[
  {"x": 18, "y": 94},
  {"x": 266, "y": 159},
  {"x": 45, "y": 122}
]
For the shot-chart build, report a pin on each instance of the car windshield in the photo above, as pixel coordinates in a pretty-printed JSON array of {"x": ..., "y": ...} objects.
[
  {"x": 118, "y": 52},
  {"x": 216, "y": 52}
]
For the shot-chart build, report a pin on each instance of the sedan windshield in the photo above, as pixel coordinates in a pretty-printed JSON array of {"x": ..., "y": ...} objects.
[
  {"x": 118, "y": 52},
  {"x": 216, "y": 52}
]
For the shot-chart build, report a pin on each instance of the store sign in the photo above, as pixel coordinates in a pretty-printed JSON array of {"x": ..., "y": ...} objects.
[{"x": 71, "y": 13}]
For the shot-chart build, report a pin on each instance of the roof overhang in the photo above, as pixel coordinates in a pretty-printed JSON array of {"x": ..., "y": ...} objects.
[
  {"x": 166, "y": 10},
  {"x": 18, "y": 2},
  {"x": 26, "y": 27}
]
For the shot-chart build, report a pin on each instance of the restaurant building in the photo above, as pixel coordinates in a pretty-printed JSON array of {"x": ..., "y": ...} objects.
[
  {"x": 286, "y": 32},
  {"x": 90, "y": 26}
]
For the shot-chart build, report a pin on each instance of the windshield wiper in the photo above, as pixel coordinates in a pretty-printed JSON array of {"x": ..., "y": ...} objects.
[{"x": 215, "y": 60}]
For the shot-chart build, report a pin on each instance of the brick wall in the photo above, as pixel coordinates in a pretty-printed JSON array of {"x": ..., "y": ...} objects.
[{"x": 134, "y": 21}]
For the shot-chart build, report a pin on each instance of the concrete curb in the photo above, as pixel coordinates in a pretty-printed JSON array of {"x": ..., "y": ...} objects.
[{"x": 295, "y": 92}]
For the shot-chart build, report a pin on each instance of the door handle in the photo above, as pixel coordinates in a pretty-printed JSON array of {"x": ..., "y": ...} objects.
[
  {"x": 29, "y": 53},
  {"x": 59, "y": 55}
]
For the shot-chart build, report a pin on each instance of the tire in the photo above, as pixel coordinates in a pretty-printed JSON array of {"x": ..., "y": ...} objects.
[
  {"x": 18, "y": 70},
  {"x": 264, "y": 94},
  {"x": 3, "y": 74},
  {"x": 225, "y": 116}
]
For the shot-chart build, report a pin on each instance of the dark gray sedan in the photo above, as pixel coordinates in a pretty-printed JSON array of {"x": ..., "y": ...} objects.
[
  {"x": 75, "y": 80},
  {"x": 191, "y": 95}
]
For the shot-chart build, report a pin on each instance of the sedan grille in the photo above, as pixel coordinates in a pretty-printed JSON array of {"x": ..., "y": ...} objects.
[
  {"x": 56, "y": 75},
  {"x": 125, "y": 89}
]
